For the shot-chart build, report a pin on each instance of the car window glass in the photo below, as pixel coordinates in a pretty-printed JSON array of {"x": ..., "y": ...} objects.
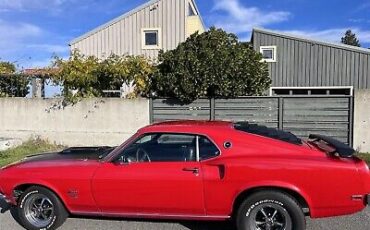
[
  {"x": 207, "y": 149},
  {"x": 176, "y": 139},
  {"x": 161, "y": 148},
  {"x": 145, "y": 139}
]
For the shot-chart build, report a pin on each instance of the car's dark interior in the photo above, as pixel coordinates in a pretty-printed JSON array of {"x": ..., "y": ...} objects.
[{"x": 168, "y": 148}]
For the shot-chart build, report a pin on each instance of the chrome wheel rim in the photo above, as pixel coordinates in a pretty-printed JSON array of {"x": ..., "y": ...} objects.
[
  {"x": 270, "y": 216},
  {"x": 39, "y": 210}
]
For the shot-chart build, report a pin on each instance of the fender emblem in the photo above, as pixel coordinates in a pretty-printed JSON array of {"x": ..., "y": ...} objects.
[{"x": 72, "y": 193}]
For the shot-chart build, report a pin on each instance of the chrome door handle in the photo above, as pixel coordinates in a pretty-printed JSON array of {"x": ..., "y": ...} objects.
[{"x": 193, "y": 170}]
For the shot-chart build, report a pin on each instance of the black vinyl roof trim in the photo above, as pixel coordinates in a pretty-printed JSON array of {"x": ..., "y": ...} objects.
[{"x": 268, "y": 132}]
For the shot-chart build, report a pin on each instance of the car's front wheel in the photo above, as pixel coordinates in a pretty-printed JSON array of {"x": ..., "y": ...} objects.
[
  {"x": 39, "y": 208},
  {"x": 270, "y": 210}
]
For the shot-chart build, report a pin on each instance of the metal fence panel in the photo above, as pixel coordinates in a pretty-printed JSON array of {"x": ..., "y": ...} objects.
[
  {"x": 327, "y": 115},
  {"x": 169, "y": 109},
  {"x": 320, "y": 115},
  {"x": 264, "y": 111}
]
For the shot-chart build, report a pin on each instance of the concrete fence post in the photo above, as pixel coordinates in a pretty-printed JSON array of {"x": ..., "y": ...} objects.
[{"x": 38, "y": 88}]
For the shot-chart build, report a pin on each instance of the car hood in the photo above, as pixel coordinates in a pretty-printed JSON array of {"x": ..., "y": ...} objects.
[{"x": 70, "y": 154}]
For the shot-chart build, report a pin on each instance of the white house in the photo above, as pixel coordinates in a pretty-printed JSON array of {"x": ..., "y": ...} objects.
[{"x": 155, "y": 25}]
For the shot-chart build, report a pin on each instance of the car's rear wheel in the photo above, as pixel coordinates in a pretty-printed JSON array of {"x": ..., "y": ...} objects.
[
  {"x": 270, "y": 210},
  {"x": 39, "y": 208}
]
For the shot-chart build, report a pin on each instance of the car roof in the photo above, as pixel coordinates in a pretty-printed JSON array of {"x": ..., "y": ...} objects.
[
  {"x": 220, "y": 127},
  {"x": 188, "y": 124},
  {"x": 194, "y": 123}
]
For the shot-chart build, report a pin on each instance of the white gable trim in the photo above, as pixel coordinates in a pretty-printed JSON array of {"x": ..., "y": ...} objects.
[{"x": 112, "y": 22}]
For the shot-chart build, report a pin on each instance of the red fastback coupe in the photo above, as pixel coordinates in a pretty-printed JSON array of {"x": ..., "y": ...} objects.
[{"x": 259, "y": 177}]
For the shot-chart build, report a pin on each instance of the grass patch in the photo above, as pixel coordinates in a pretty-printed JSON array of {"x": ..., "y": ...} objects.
[
  {"x": 365, "y": 157},
  {"x": 28, "y": 148}
]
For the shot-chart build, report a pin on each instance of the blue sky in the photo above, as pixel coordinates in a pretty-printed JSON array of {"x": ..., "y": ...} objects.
[{"x": 31, "y": 31}]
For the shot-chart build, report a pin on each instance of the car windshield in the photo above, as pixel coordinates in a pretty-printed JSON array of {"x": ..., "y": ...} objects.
[
  {"x": 112, "y": 153},
  {"x": 105, "y": 152}
]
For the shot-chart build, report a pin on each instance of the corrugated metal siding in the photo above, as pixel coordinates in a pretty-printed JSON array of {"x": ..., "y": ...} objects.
[
  {"x": 125, "y": 35},
  {"x": 304, "y": 63}
]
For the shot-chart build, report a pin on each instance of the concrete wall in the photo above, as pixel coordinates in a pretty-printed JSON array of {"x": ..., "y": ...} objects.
[
  {"x": 111, "y": 121},
  {"x": 90, "y": 122},
  {"x": 362, "y": 121}
]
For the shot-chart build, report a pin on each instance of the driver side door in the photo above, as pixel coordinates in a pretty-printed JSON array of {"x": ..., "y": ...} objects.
[{"x": 158, "y": 174}]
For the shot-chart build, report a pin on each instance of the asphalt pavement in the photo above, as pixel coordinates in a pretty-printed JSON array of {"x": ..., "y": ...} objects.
[{"x": 360, "y": 221}]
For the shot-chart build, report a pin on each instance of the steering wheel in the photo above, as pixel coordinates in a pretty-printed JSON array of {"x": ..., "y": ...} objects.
[{"x": 142, "y": 155}]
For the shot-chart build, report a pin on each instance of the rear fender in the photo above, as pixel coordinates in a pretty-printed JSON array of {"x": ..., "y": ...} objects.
[{"x": 279, "y": 185}]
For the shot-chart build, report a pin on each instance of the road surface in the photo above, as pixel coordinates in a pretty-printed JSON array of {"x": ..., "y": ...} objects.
[{"x": 360, "y": 221}]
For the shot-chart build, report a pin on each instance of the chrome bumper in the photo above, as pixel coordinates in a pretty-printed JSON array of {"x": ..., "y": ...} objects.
[{"x": 4, "y": 205}]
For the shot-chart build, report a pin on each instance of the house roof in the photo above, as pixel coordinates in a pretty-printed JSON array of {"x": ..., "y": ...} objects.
[
  {"x": 197, "y": 9},
  {"x": 313, "y": 41},
  {"x": 114, "y": 21}
]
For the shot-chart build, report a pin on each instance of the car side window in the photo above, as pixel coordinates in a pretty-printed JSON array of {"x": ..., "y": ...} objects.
[
  {"x": 161, "y": 148},
  {"x": 207, "y": 149}
]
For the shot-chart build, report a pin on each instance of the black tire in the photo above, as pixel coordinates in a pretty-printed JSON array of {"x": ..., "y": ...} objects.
[
  {"x": 258, "y": 212},
  {"x": 54, "y": 210},
  {"x": 14, "y": 212}
]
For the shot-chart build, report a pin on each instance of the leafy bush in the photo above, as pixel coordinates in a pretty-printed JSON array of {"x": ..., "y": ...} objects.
[
  {"x": 7, "y": 68},
  {"x": 14, "y": 85},
  {"x": 87, "y": 76},
  {"x": 33, "y": 146},
  {"x": 211, "y": 64}
]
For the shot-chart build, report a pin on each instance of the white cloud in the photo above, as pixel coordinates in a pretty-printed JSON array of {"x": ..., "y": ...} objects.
[
  {"x": 331, "y": 35},
  {"x": 13, "y": 34},
  {"x": 30, "y": 4},
  {"x": 23, "y": 43},
  {"x": 364, "y": 6},
  {"x": 241, "y": 19}
]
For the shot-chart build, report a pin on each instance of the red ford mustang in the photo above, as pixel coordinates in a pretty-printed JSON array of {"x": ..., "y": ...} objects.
[{"x": 262, "y": 178}]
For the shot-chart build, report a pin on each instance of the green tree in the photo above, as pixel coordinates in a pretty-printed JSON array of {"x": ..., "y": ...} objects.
[
  {"x": 350, "y": 39},
  {"x": 211, "y": 64},
  {"x": 7, "y": 68},
  {"x": 12, "y": 84},
  {"x": 87, "y": 76}
]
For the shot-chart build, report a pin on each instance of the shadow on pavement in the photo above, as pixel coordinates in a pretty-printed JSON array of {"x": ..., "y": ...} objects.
[
  {"x": 191, "y": 225},
  {"x": 199, "y": 225}
]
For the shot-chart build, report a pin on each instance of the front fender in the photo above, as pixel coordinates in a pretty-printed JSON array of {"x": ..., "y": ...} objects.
[{"x": 41, "y": 183}]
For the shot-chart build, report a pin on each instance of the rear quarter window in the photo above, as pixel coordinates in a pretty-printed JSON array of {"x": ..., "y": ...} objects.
[{"x": 207, "y": 149}]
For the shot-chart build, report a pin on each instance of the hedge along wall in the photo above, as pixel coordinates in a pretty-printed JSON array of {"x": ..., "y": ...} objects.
[{"x": 92, "y": 122}]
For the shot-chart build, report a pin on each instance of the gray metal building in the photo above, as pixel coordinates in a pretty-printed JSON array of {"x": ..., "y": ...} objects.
[
  {"x": 155, "y": 25},
  {"x": 300, "y": 66}
]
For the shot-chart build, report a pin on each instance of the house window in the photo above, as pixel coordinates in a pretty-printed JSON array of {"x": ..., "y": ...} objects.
[
  {"x": 268, "y": 53},
  {"x": 151, "y": 38}
]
